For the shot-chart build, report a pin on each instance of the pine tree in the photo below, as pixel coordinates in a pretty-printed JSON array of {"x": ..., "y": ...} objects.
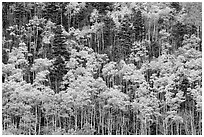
[
  {"x": 59, "y": 43},
  {"x": 19, "y": 13},
  {"x": 60, "y": 55},
  {"x": 138, "y": 23},
  {"x": 52, "y": 11},
  {"x": 108, "y": 33},
  {"x": 123, "y": 48},
  {"x": 5, "y": 56}
]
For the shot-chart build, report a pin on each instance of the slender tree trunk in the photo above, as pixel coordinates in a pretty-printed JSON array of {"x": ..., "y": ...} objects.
[
  {"x": 164, "y": 126},
  {"x": 91, "y": 118},
  {"x": 102, "y": 41},
  {"x": 149, "y": 30},
  {"x": 36, "y": 120},
  {"x": 177, "y": 128},
  {"x": 157, "y": 123},
  {"x": 94, "y": 119},
  {"x": 56, "y": 85},
  {"x": 102, "y": 121},
  {"x": 111, "y": 121},
  {"x": 39, "y": 130},
  {"x": 47, "y": 120},
  {"x": 123, "y": 123},
  {"x": 192, "y": 124},
  {"x": 81, "y": 117},
  {"x": 75, "y": 120},
  {"x": 99, "y": 123},
  {"x": 53, "y": 118},
  {"x": 29, "y": 129}
]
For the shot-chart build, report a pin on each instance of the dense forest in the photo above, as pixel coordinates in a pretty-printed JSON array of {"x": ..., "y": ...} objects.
[{"x": 101, "y": 68}]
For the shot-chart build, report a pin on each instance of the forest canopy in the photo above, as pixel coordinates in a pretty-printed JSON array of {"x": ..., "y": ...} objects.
[{"x": 101, "y": 68}]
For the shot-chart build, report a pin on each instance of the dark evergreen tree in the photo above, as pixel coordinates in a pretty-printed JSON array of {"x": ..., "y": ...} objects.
[
  {"x": 52, "y": 11},
  {"x": 176, "y": 6},
  {"x": 20, "y": 12},
  {"x": 62, "y": 18},
  {"x": 59, "y": 43},
  {"x": 179, "y": 30},
  {"x": 124, "y": 44},
  {"x": 102, "y": 7},
  {"x": 60, "y": 55},
  {"x": 57, "y": 72},
  {"x": 5, "y": 56},
  {"x": 6, "y": 10},
  {"x": 108, "y": 33},
  {"x": 138, "y": 23}
]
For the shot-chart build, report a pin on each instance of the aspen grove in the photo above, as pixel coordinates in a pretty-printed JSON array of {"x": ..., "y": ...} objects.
[{"x": 101, "y": 68}]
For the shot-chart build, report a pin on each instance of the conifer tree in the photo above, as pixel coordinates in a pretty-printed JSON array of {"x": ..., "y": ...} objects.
[
  {"x": 138, "y": 23},
  {"x": 60, "y": 55},
  {"x": 19, "y": 13},
  {"x": 124, "y": 43},
  {"x": 52, "y": 11},
  {"x": 59, "y": 43}
]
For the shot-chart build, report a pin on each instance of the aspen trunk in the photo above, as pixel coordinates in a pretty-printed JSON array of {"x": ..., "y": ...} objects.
[
  {"x": 75, "y": 120},
  {"x": 36, "y": 120}
]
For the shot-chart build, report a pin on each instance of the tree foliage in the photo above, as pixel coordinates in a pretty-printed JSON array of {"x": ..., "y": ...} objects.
[{"x": 101, "y": 68}]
